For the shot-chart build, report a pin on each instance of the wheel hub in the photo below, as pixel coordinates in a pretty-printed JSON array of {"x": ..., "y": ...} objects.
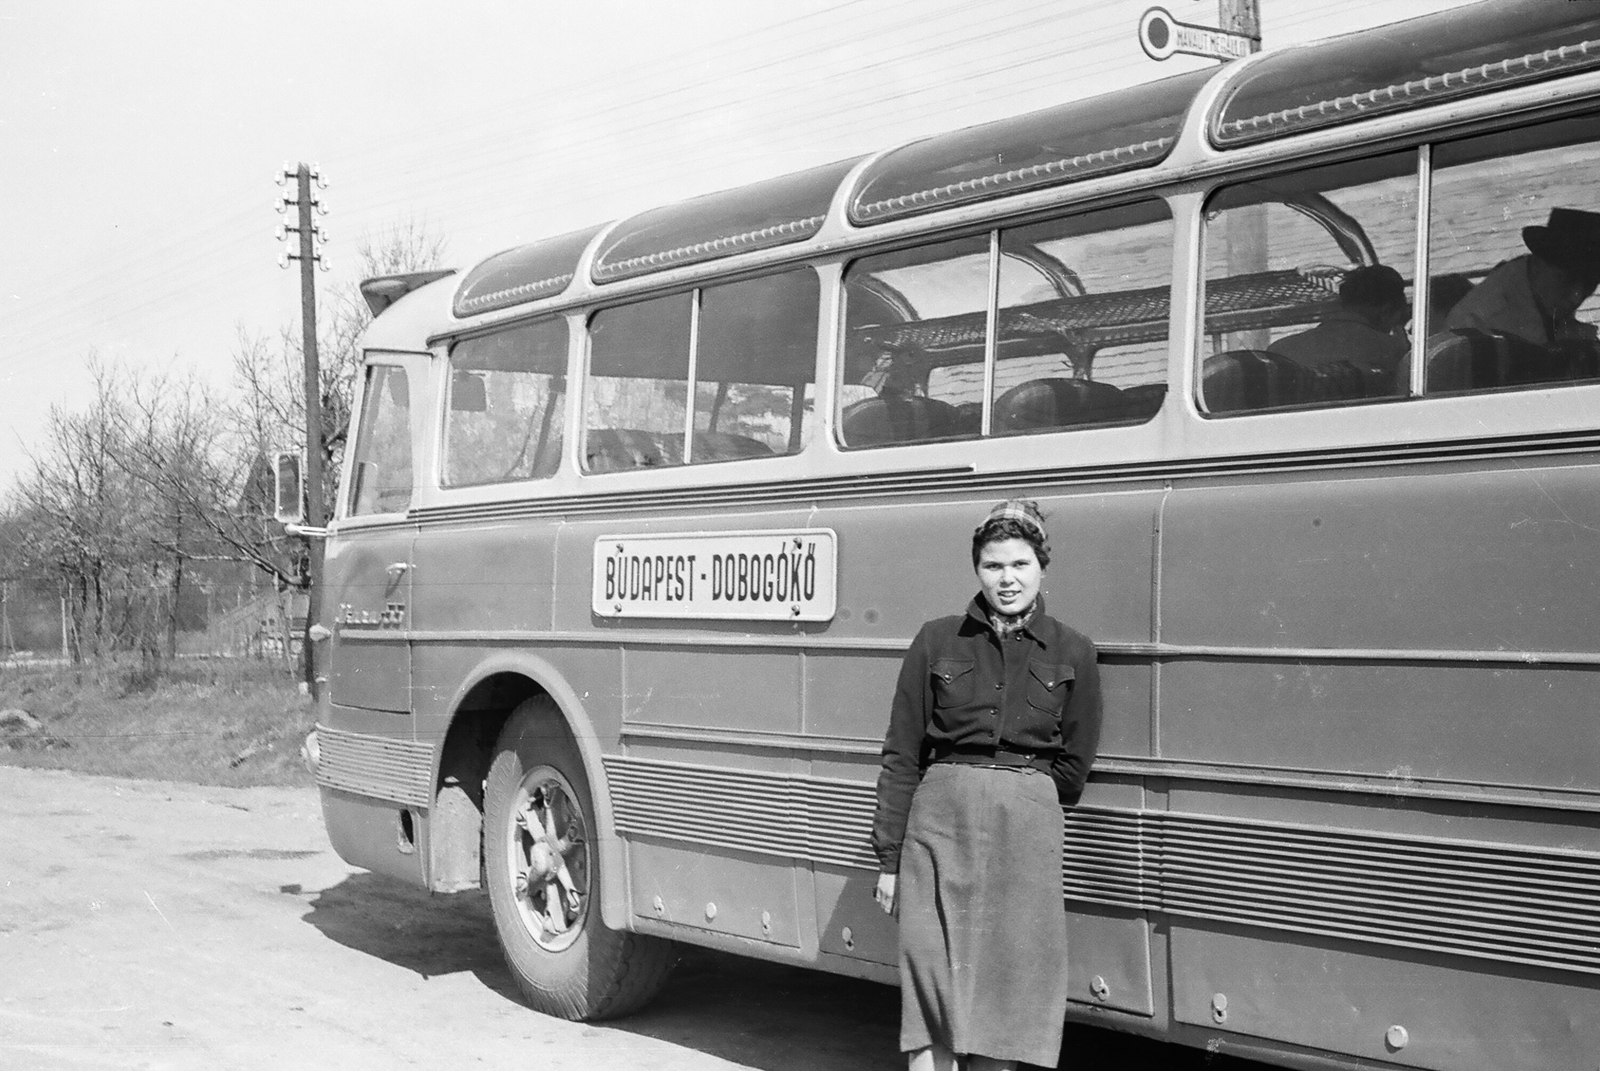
[{"x": 550, "y": 859}]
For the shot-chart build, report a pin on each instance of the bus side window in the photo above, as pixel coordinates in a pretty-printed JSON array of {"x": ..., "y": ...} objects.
[
  {"x": 1083, "y": 320},
  {"x": 1298, "y": 311},
  {"x": 1081, "y": 338},
  {"x": 381, "y": 470},
  {"x": 1492, "y": 202},
  {"x": 635, "y": 399},
  {"x": 914, "y": 341},
  {"x": 753, "y": 375},
  {"x": 755, "y": 370},
  {"x": 504, "y": 421}
]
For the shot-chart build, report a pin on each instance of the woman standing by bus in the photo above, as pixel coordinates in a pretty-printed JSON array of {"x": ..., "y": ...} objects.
[{"x": 995, "y": 723}]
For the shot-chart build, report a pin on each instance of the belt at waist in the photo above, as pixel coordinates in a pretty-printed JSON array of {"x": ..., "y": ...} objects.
[{"x": 995, "y": 756}]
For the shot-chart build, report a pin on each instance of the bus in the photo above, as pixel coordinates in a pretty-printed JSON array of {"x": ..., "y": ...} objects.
[{"x": 638, "y": 521}]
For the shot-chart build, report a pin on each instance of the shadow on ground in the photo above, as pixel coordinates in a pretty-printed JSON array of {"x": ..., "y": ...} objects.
[{"x": 761, "y": 1015}]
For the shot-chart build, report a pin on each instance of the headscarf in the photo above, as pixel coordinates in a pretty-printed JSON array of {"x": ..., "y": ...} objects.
[{"x": 1025, "y": 511}]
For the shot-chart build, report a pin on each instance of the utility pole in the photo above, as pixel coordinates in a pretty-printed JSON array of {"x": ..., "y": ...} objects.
[
  {"x": 1243, "y": 17},
  {"x": 310, "y": 258},
  {"x": 6, "y": 644}
]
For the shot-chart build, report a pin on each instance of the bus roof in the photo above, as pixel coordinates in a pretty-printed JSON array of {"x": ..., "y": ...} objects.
[
  {"x": 527, "y": 273},
  {"x": 1118, "y": 131},
  {"x": 1406, "y": 65},
  {"x": 777, "y": 211},
  {"x": 1345, "y": 79}
]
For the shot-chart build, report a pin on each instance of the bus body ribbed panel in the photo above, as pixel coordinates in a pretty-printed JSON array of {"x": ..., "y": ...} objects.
[{"x": 1530, "y": 906}]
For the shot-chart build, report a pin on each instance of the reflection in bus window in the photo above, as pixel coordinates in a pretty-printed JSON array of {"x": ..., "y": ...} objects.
[
  {"x": 909, "y": 314},
  {"x": 1082, "y": 306},
  {"x": 1082, "y": 335},
  {"x": 505, "y": 415},
  {"x": 635, "y": 396},
  {"x": 753, "y": 372},
  {"x": 381, "y": 471},
  {"x": 1290, "y": 318},
  {"x": 1514, "y": 213}
]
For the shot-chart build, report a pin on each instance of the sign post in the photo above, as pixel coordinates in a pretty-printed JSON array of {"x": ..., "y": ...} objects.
[{"x": 1162, "y": 37}]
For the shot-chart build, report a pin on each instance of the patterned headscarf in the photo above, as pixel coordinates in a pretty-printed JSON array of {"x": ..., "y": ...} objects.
[{"x": 1022, "y": 511}]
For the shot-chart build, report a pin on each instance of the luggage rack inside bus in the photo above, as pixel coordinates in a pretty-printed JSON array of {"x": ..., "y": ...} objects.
[{"x": 1089, "y": 322}]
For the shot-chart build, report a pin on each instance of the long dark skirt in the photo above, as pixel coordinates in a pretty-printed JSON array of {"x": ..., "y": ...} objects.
[{"x": 983, "y": 934}]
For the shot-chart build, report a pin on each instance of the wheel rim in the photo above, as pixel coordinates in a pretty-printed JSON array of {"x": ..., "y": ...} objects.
[{"x": 548, "y": 858}]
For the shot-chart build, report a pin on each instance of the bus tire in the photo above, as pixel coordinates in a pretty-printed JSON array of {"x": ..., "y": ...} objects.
[{"x": 543, "y": 875}]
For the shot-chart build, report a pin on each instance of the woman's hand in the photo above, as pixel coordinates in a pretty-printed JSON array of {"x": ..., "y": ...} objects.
[{"x": 884, "y": 893}]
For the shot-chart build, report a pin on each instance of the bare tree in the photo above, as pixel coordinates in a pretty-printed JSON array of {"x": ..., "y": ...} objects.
[
  {"x": 157, "y": 473},
  {"x": 87, "y": 523}
]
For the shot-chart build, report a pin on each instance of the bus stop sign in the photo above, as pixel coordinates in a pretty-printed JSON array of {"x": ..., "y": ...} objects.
[{"x": 1162, "y": 37}]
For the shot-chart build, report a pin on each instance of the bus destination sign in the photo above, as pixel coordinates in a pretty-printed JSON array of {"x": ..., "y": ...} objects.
[{"x": 780, "y": 575}]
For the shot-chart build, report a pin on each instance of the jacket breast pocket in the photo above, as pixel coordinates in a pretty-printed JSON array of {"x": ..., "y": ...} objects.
[
  {"x": 1049, "y": 685},
  {"x": 952, "y": 681}
]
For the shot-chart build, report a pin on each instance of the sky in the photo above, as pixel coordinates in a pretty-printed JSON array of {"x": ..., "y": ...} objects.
[{"x": 139, "y": 138}]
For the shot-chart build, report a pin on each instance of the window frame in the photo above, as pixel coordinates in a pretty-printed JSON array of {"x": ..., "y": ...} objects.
[
  {"x": 995, "y": 233},
  {"x": 416, "y": 367},
  {"x": 695, "y": 293},
  {"x": 447, "y": 390}
]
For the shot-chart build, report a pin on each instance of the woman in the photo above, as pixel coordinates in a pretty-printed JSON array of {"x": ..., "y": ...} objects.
[{"x": 995, "y": 723}]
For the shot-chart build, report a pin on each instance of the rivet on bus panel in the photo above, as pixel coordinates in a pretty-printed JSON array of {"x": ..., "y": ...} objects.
[
  {"x": 1219, "y": 1007},
  {"x": 1396, "y": 1037},
  {"x": 849, "y": 938},
  {"x": 660, "y": 906},
  {"x": 711, "y": 911},
  {"x": 766, "y": 922}
]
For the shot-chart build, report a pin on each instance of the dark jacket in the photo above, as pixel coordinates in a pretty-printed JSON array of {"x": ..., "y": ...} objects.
[{"x": 964, "y": 688}]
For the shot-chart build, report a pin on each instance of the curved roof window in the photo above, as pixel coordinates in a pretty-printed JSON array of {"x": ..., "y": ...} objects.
[
  {"x": 775, "y": 212},
  {"x": 1119, "y": 131},
  {"x": 1407, "y": 65},
  {"x": 527, "y": 273}
]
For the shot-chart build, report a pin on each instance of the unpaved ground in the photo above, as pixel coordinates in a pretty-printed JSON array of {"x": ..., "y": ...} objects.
[{"x": 168, "y": 926}]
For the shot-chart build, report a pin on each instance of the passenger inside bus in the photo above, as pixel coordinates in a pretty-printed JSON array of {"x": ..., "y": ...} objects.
[
  {"x": 1444, "y": 293},
  {"x": 1519, "y": 325},
  {"x": 1357, "y": 348}
]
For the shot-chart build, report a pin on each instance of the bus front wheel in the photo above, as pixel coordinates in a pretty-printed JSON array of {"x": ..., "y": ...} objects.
[{"x": 541, "y": 858}]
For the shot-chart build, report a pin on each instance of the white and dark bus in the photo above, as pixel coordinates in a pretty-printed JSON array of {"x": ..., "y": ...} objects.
[{"x": 638, "y": 521}]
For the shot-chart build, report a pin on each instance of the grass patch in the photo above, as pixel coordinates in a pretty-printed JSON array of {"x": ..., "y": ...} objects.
[{"x": 210, "y": 721}]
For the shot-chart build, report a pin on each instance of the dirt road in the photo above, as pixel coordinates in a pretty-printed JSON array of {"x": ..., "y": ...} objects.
[{"x": 169, "y": 926}]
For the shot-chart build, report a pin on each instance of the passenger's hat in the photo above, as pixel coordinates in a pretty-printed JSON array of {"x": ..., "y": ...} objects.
[
  {"x": 1374, "y": 285},
  {"x": 1570, "y": 240}
]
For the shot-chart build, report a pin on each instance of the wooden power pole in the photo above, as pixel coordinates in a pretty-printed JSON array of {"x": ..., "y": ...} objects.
[
  {"x": 1243, "y": 17},
  {"x": 310, "y": 257}
]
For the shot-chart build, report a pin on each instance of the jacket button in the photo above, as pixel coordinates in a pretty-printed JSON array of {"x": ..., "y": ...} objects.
[{"x": 999, "y": 687}]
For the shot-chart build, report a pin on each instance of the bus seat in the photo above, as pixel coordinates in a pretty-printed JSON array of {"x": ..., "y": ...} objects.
[
  {"x": 1341, "y": 381},
  {"x": 968, "y": 420},
  {"x": 1041, "y": 404},
  {"x": 1237, "y": 380},
  {"x": 1144, "y": 400},
  {"x": 1469, "y": 359},
  {"x": 625, "y": 449},
  {"x": 723, "y": 446},
  {"x": 890, "y": 419}
]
